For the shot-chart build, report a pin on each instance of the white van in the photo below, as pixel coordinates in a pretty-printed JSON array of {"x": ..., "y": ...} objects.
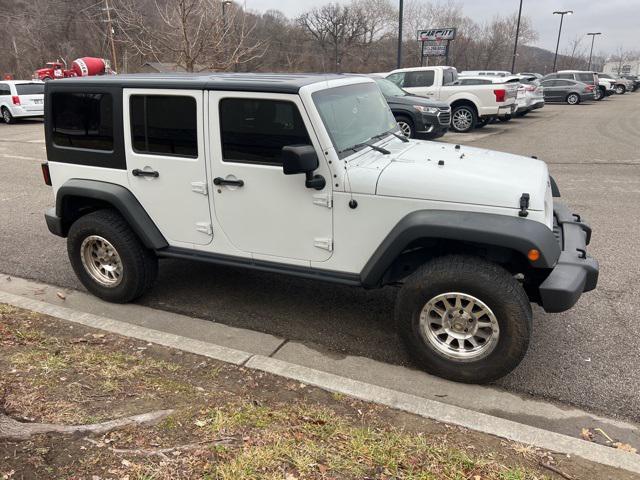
[{"x": 21, "y": 99}]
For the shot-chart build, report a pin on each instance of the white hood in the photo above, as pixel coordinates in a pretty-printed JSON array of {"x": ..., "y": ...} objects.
[{"x": 442, "y": 172}]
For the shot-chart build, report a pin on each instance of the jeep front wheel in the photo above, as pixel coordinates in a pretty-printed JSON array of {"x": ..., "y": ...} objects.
[
  {"x": 464, "y": 319},
  {"x": 109, "y": 259}
]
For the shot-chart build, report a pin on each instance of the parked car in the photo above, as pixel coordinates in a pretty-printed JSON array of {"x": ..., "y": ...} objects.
[
  {"x": 590, "y": 78},
  {"x": 522, "y": 102},
  {"x": 533, "y": 90},
  {"x": 469, "y": 103},
  {"x": 569, "y": 91},
  {"x": 417, "y": 117},
  {"x": 485, "y": 73},
  {"x": 635, "y": 79},
  {"x": 21, "y": 99},
  {"x": 305, "y": 175},
  {"x": 621, "y": 85},
  {"x": 607, "y": 87},
  {"x": 538, "y": 76}
]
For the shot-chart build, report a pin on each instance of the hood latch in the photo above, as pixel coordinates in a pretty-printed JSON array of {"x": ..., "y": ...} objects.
[{"x": 524, "y": 205}]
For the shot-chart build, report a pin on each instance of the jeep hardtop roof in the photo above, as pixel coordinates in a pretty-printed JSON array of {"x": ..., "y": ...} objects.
[{"x": 254, "y": 82}]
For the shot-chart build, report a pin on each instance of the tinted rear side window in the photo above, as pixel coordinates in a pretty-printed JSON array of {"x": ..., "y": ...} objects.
[
  {"x": 4, "y": 89},
  {"x": 30, "y": 88},
  {"x": 83, "y": 120},
  {"x": 164, "y": 125},
  {"x": 254, "y": 131},
  {"x": 419, "y": 79},
  {"x": 585, "y": 77}
]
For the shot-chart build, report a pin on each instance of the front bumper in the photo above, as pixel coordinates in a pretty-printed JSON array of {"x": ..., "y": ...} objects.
[{"x": 576, "y": 272}]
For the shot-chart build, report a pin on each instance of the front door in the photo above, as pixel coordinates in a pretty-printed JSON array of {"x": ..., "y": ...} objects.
[
  {"x": 165, "y": 148},
  {"x": 262, "y": 211}
]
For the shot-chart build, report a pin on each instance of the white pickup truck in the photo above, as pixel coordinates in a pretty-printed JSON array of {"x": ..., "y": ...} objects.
[{"x": 469, "y": 103}]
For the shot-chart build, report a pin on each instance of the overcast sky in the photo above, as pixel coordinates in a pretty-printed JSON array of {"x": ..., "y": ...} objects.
[{"x": 618, "y": 20}]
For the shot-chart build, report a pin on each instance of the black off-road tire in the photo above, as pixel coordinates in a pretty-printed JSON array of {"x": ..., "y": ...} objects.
[
  {"x": 486, "y": 281},
  {"x": 139, "y": 264}
]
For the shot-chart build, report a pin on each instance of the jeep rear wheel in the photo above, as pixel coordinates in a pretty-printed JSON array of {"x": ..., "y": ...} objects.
[
  {"x": 464, "y": 319},
  {"x": 108, "y": 257}
]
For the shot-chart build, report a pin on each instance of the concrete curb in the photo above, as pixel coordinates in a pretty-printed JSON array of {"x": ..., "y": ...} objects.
[{"x": 364, "y": 391}]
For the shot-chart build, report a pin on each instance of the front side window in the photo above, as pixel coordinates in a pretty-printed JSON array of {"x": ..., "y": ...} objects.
[
  {"x": 397, "y": 78},
  {"x": 164, "y": 125},
  {"x": 353, "y": 114},
  {"x": 254, "y": 131},
  {"x": 449, "y": 77},
  {"x": 83, "y": 120}
]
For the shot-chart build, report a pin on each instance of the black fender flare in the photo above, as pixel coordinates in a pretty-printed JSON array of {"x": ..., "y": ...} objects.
[
  {"x": 515, "y": 233},
  {"x": 117, "y": 196}
]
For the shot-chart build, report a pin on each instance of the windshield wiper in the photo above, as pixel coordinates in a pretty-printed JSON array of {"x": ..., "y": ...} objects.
[
  {"x": 367, "y": 144},
  {"x": 400, "y": 136}
]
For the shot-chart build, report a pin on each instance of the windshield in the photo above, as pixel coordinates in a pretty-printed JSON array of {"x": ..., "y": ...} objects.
[
  {"x": 353, "y": 114},
  {"x": 390, "y": 89},
  {"x": 30, "y": 88}
]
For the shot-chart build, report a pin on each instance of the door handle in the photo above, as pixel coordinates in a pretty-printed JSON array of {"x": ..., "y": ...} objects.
[
  {"x": 136, "y": 172},
  {"x": 224, "y": 181}
]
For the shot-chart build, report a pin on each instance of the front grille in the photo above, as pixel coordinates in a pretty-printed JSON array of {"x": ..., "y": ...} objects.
[{"x": 444, "y": 116}]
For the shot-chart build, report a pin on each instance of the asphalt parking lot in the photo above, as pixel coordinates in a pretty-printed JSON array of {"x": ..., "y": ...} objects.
[{"x": 587, "y": 356}]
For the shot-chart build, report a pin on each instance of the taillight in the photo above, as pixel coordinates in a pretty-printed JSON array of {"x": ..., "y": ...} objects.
[
  {"x": 16, "y": 100},
  {"x": 531, "y": 88},
  {"x": 45, "y": 174},
  {"x": 590, "y": 88},
  {"x": 501, "y": 95}
]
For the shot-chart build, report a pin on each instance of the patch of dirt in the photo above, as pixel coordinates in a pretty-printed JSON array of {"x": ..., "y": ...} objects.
[{"x": 229, "y": 422}]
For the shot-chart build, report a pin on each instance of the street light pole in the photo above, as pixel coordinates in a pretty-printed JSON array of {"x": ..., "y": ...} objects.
[
  {"x": 562, "y": 14},
  {"x": 515, "y": 46},
  {"x": 593, "y": 39},
  {"x": 400, "y": 21}
]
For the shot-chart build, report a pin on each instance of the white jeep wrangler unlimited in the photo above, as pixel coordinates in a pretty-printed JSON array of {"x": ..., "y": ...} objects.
[{"x": 308, "y": 175}]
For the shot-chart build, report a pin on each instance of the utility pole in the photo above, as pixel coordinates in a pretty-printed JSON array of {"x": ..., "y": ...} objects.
[
  {"x": 593, "y": 39},
  {"x": 114, "y": 61},
  {"x": 562, "y": 14},
  {"x": 400, "y": 22},
  {"x": 515, "y": 47}
]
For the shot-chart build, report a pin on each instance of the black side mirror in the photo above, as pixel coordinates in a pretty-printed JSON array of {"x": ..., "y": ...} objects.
[{"x": 302, "y": 159}]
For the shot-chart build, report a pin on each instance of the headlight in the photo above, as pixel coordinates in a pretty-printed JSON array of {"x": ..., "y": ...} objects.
[{"x": 423, "y": 109}]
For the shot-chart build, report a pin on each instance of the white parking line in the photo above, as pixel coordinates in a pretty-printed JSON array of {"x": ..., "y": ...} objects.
[{"x": 20, "y": 157}]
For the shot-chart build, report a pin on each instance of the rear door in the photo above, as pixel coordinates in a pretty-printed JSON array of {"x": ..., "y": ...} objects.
[
  {"x": 420, "y": 82},
  {"x": 165, "y": 150},
  {"x": 5, "y": 94}
]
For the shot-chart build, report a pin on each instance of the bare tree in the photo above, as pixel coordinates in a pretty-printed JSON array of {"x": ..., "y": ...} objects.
[
  {"x": 196, "y": 34},
  {"x": 335, "y": 28}
]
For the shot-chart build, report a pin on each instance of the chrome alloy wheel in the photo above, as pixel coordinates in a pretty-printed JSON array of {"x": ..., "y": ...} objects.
[
  {"x": 462, "y": 119},
  {"x": 405, "y": 128},
  {"x": 101, "y": 261},
  {"x": 459, "y": 326}
]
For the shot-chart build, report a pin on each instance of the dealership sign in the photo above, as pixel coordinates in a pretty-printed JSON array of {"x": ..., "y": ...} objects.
[
  {"x": 431, "y": 48},
  {"x": 433, "y": 34}
]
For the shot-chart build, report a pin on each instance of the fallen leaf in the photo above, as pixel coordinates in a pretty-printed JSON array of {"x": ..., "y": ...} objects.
[
  {"x": 200, "y": 423},
  {"x": 61, "y": 295},
  {"x": 625, "y": 447},
  {"x": 126, "y": 463},
  {"x": 586, "y": 435}
]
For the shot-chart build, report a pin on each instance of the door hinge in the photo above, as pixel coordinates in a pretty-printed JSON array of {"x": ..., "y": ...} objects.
[
  {"x": 199, "y": 187},
  {"x": 204, "y": 227},
  {"x": 323, "y": 243},
  {"x": 323, "y": 199}
]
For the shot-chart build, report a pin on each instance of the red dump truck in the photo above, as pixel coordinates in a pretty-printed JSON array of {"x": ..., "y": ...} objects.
[{"x": 80, "y": 67}]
